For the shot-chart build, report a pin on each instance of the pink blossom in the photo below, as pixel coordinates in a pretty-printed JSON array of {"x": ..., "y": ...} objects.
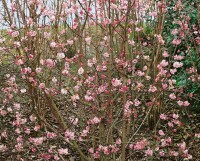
[
  {"x": 182, "y": 146},
  {"x": 162, "y": 153},
  {"x": 165, "y": 54},
  {"x": 42, "y": 86},
  {"x": 176, "y": 41},
  {"x": 32, "y": 33},
  {"x": 174, "y": 153},
  {"x": 163, "y": 117},
  {"x": 116, "y": 82},
  {"x": 174, "y": 32},
  {"x": 80, "y": 71},
  {"x": 3, "y": 148},
  {"x": 170, "y": 124},
  {"x": 17, "y": 106},
  {"x": 149, "y": 152},
  {"x": 51, "y": 135},
  {"x": 47, "y": 36},
  {"x": 37, "y": 127},
  {"x": 37, "y": 141},
  {"x": 137, "y": 102},
  {"x": 91, "y": 150},
  {"x": 141, "y": 144},
  {"x": 73, "y": 120},
  {"x": 53, "y": 44},
  {"x": 75, "y": 97},
  {"x": 69, "y": 135},
  {"x": 197, "y": 135},
  {"x": 50, "y": 63},
  {"x": 152, "y": 89},
  {"x": 161, "y": 133},
  {"x": 38, "y": 70},
  {"x": 164, "y": 63},
  {"x": 95, "y": 120},
  {"x": 180, "y": 103},
  {"x": 15, "y": 33},
  {"x": 186, "y": 103},
  {"x": 173, "y": 71},
  {"x": 172, "y": 96},
  {"x": 60, "y": 56},
  {"x": 70, "y": 42},
  {"x": 175, "y": 116},
  {"x": 63, "y": 151},
  {"x": 118, "y": 141},
  {"x": 88, "y": 40},
  {"x": 63, "y": 91},
  {"x": 32, "y": 118},
  {"x": 177, "y": 64}
]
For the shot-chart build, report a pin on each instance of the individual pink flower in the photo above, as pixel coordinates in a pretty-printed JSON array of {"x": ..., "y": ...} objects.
[
  {"x": 137, "y": 102},
  {"x": 63, "y": 151},
  {"x": 47, "y": 36},
  {"x": 152, "y": 89},
  {"x": 70, "y": 42},
  {"x": 165, "y": 54},
  {"x": 172, "y": 96},
  {"x": 177, "y": 64},
  {"x": 116, "y": 82},
  {"x": 140, "y": 145},
  {"x": 32, "y": 33},
  {"x": 73, "y": 120},
  {"x": 32, "y": 118},
  {"x": 51, "y": 135},
  {"x": 53, "y": 44},
  {"x": 42, "y": 86},
  {"x": 37, "y": 127},
  {"x": 54, "y": 80},
  {"x": 162, "y": 153},
  {"x": 50, "y": 63},
  {"x": 197, "y": 135},
  {"x": 91, "y": 150},
  {"x": 174, "y": 153},
  {"x": 96, "y": 155},
  {"x": 118, "y": 141},
  {"x": 182, "y": 146},
  {"x": 23, "y": 90},
  {"x": 170, "y": 124},
  {"x": 15, "y": 34},
  {"x": 164, "y": 63},
  {"x": 149, "y": 152},
  {"x": 176, "y": 41},
  {"x": 161, "y": 133},
  {"x": 56, "y": 157},
  {"x": 17, "y": 106},
  {"x": 80, "y": 71},
  {"x": 173, "y": 71},
  {"x": 88, "y": 40},
  {"x": 113, "y": 6},
  {"x": 95, "y": 120},
  {"x": 3, "y": 148},
  {"x": 163, "y": 117},
  {"x": 106, "y": 55},
  {"x": 38, "y": 70},
  {"x": 174, "y": 32},
  {"x": 175, "y": 116},
  {"x": 60, "y": 56},
  {"x": 186, "y": 103},
  {"x": 69, "y": 135},
  {"x": 180, "y": 103},
  {"x": 75, "y": 97},
  {"x": 63, "y": 91}
]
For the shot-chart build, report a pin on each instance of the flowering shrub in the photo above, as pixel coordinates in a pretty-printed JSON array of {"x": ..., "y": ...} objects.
[{"x": 96, "y": 80}]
